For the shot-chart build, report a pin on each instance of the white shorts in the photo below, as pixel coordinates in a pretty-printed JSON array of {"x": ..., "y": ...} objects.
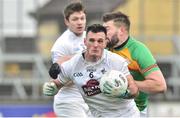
[
  {"x": 68, "y": 102},
  {"x": 132, "y": 112},
  {"x": 143, "y": 113},
  {"x": 71, "y": 109}
]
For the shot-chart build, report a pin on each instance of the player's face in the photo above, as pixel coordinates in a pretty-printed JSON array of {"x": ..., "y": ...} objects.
[
  {"x": 95, "y": 43},
  {"x": 76, "y": 22},
  {"x": 112, "y": 33}
]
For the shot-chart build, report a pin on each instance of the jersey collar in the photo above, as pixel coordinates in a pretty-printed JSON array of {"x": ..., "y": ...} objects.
[
  {"x": 94, "y": 63},
  {"x": 122, "y": 45}
]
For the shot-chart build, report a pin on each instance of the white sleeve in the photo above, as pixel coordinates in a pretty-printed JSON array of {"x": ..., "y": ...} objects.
[
  {"x": 55, "y": 55},
  {"x": 119, "y": 63},
  {"x": 124, "y": 68},
  {"x": 66, "y": 72},
  {"x": 58, "y": 50}
]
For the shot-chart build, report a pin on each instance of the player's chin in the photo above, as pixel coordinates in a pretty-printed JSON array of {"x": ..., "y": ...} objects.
[
  {"x": 96, "y": 56},
  {"x": 80, "y": 30},
  {"x": 79, "y": 33}
]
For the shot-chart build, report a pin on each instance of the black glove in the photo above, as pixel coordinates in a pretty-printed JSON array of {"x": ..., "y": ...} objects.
[{"x": 54, "y": 70}]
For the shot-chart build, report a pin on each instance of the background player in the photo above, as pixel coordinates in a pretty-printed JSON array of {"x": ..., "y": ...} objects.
[{"x": 68, "y": 102}]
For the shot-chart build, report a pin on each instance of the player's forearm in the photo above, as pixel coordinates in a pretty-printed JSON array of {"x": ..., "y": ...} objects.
[
  {"x": 151, "y": 86},
  {"x": 52, "y": 87},
  {"x": 132, "y": 90},
  {"x": 132, "y": 87},
  {"x": 153, "y": 83},
  {"x": 58, "y": 83}
]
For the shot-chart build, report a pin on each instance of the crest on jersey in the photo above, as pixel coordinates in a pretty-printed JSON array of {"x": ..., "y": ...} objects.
[{"x": 91, "y": 88}]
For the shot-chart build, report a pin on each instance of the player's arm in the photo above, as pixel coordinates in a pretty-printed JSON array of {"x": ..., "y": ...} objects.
[
  {"x": 154, "y": 83},
  {"x": 52, "y": 87},
  {"x": 132, "y": 90},
  {"x": 63, "y": 59},
  {"x": 154, "y": 80},
  {"x": 55, "y": 67}
]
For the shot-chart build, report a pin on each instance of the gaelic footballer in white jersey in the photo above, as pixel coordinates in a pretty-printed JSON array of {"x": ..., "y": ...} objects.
[
  {"x": 68, "y": 44},
  {"x": 87, "y": 75}
]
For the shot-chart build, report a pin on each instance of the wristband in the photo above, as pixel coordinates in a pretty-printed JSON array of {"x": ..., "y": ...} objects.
[{"x": 127, "y": 94}]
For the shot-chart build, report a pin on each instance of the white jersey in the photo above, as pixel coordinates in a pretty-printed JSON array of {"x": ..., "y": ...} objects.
[
  {"x": 68, "y": 44},
  {"x": 87, "y": 76}
]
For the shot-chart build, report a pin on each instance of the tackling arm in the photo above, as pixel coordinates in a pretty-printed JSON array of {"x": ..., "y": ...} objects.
[
  {"x": 132, "y": 90},
  {"x": 153, "y": 83}
]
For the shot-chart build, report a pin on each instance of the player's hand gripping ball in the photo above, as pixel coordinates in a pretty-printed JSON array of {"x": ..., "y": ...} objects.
[{"x": 113, "y": 83}]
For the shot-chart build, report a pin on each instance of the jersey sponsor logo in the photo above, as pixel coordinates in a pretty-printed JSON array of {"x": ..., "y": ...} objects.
[
  {"x": 91, "y": 88},
  {"x": 79, "y": 74}
]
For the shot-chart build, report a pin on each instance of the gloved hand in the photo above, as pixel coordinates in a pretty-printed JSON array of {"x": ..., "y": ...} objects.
[
  {"x": 54, "y": 70},
  {"x": 112, "y": 90},
  {"x": 50, "y": 89}
]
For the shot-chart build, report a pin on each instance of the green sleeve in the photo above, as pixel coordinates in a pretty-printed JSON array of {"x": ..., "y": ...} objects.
[{"x": 145, "y": 59}]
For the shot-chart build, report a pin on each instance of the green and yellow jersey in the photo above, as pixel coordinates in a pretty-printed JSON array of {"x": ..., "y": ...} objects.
[{"x": 141, "y": 63}]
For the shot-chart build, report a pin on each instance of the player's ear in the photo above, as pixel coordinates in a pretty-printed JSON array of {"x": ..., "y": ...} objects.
[
  {"x": 121, "y": 30},
  {"x": 66, "y": 21}
]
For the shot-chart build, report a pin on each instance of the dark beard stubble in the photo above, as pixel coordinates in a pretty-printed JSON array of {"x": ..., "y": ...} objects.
[{"x": 111, "y": 43}]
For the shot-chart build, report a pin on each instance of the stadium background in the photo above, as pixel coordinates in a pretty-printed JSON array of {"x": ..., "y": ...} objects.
[{"x": 28, "y": 28}]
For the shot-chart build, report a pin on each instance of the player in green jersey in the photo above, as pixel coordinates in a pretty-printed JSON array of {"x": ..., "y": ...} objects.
[{"x": 142, "y": 64}]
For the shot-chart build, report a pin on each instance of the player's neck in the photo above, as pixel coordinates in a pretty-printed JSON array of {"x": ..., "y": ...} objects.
[
  {"x": 91, "y": 58},
  {"x": 78, "y": 34}
]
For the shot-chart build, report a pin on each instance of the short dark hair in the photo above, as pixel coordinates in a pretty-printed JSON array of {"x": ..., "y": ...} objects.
[
  {"x": 118, "y": 18},
  {"x": 95, "y": 28},
  {"x": 73, "y": 7}
]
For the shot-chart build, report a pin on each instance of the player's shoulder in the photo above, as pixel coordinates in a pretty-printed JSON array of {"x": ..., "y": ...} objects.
[
  {"x": 65, "y": 36},
  {"x": 74, "y": 60},
  {"x": 113, "y": 56},
  {"x": 114, "y": 60},
  {"x": 76, "y": 57},
  {"x": 135, "y": 44},
  {"x": 61, "y": 42}
]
